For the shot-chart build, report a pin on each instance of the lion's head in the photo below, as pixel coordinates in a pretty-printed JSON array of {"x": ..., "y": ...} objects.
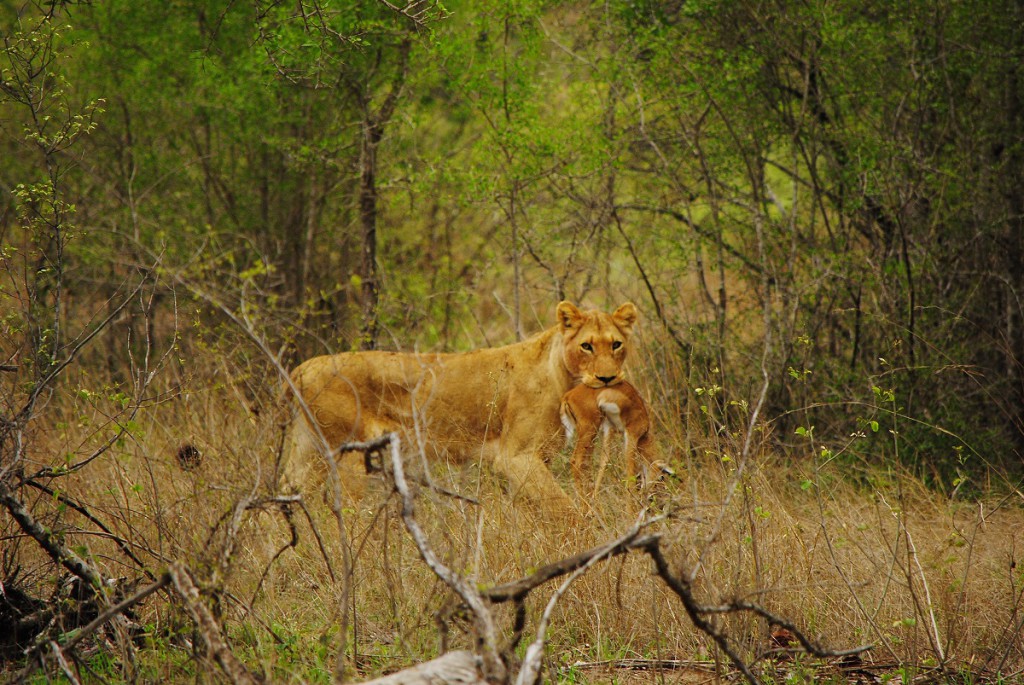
[{"x": 595, "y": 343}]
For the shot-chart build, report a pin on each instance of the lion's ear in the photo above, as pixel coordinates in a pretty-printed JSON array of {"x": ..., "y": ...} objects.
[
  {"x": 568, "y": 315},
  {"x": 625, "y": 316}
]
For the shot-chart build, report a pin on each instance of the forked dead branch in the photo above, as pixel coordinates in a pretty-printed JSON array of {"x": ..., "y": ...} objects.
[{"x": 493, "y": 662}]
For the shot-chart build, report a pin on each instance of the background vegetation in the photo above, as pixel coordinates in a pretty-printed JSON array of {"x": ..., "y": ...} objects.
[{"x": 817, "y": 207}]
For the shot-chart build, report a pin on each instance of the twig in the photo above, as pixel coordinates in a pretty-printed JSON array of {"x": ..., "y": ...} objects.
[
  {"x": 293, "y": 540},
  {"x": 46, "y": 539},
  {"x": 319, "y": 539},
  {"x": 699, "y": 230},
  {"x": 119, "y": 541},
  {"x": 207, "y": 627},
  {"x": 647, "y": 664},
  {"x": 529, "y": 673},
  {"x": 669, "y": 328},
  {"x": 693, "y": 610},
  {"x": 162, "y": 582},
  {"x": 775, "y": 620},
  {"x": 420, "y": 12},
  {"x": 58, "y": 367},
  {"x": 518, "y": 589},
  {"x": 58, "y": 655},
  {"x": 494, "y": 669},
  {"x": 697, "y": 613},
  {"x": 934, "y": 634}
]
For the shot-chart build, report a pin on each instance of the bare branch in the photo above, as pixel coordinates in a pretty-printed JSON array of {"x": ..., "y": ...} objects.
[
  {"x": 529, "y": 673},
  {"x": 59, "y": 366},
  {"x": 518, "y": 589},
  {"x": 493, "y": 666},
  {"x": 46, "y": 539},
  {"x": 58, "y": 655},
  {"x": 207, "y": 626},
  {"x": 117, "y": 609},
  {"x": 490, "y": 663},
  {"x": 81, "y": 509},
  {"x": 699, "y": 230},
  {"x": 420, "y": 12}
]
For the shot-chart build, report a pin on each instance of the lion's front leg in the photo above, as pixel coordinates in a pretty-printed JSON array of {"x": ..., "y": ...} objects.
[{"x": 519, "y": 460}]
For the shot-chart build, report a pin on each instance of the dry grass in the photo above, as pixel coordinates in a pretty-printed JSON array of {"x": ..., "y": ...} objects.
[{"x": 878, "y": 560}]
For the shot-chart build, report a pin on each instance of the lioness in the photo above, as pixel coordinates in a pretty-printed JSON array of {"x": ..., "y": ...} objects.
[
  {"x": 587, "y": 410},
  {"x": 499, "y": 404}
]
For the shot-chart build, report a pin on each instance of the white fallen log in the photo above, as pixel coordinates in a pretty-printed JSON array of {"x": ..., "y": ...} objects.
[{"x": 454, "y": 668}]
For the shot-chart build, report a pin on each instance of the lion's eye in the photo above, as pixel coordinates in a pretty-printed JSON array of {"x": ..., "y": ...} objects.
[
  {"x": 588, "y": 347},
  {"x": 616, "y": 345}
]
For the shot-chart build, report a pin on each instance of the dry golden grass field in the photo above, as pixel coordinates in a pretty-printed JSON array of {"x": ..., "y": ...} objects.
[{"x": 849, "y": 554}]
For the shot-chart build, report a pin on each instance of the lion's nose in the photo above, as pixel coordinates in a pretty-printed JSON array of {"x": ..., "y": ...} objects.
[{"x": 606, "y": 379}]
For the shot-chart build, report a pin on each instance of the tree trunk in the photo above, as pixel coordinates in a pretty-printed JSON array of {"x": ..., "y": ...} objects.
[{"x": 372, "y": 133}]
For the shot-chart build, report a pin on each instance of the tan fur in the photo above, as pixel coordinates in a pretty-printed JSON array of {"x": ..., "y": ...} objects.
[
  {"x": 498, "y": 404},
  {"x": 587, "y": 410}
]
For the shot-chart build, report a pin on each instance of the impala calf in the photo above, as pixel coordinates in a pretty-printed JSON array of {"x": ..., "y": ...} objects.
[{"x": 587, "y": 410}]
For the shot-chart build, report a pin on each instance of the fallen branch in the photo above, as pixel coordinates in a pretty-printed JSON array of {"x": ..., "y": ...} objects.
[
  {"x": 492, "y": 665},
  {"x": 57, "y": 650},
  {"x": 455, "y": 667},
  {"x": 487, "y": 663},
  {"x": 518, "y": 589},
  {"x": 460, "y": 667},
  {"x": 46, "y": 539},
  {"x": 207, "y": 627},
  {"x": 647, "y": 665}
]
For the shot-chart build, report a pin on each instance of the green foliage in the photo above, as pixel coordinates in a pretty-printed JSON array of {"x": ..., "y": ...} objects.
[{"x": 841, "y": 181}]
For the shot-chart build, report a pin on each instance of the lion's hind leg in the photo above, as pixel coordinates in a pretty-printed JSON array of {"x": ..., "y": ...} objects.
[
  {"x": 308, "y": 454},
  {"x": 299, "y": 462}
]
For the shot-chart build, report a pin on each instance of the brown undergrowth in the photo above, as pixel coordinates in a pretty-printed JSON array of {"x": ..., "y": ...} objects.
[{"x": 929, "y": 582}]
